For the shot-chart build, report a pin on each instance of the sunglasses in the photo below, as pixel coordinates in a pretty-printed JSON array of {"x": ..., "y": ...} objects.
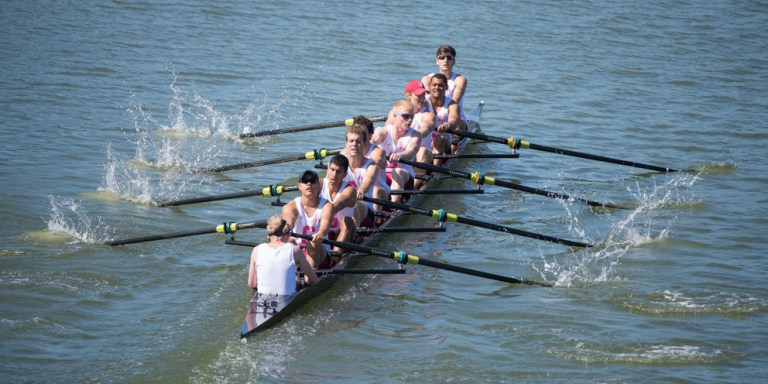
[
  {"x": 445, "y": 57},
  {"x": 405, "y": 115},
  {"x": 309, "y": 180}
]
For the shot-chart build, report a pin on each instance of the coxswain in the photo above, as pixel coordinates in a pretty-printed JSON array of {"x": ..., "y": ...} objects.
[{"x": 272, "y": 269}]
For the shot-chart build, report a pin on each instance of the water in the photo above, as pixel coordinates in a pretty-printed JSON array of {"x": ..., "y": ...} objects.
[{"x": 106, "y": 106}]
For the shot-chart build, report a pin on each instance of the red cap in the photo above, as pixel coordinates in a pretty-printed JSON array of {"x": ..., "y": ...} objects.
[{"x": 415, "y": 87}]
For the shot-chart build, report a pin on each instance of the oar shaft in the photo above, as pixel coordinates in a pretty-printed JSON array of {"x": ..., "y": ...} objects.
[
  {"x": 412, "y": 259},
  {"x": 560, "y": 151},
  {"x": 444, "y": 216},
  {"x": 230, "y": 227},
  {"x": 517, "y": 143},
  {"x": 311, "y": 155},
  {"x": 482, "y": 179},
  {"x": 272, "y": 190},
  {"x": 310, "y": 127}
]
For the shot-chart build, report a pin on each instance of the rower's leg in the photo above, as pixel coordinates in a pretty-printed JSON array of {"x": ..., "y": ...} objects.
[
  {"x": 400, "y": 178},
  {"x": 440, "y": 145},
  {"x": 423, "y": 156},
  {"x": 460, "y": 126}
]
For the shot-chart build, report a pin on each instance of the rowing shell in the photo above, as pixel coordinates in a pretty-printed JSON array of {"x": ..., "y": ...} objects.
[{"x": 264, "y": 311}]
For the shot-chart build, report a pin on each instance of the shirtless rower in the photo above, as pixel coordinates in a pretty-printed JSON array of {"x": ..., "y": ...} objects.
[
  {"x": 399, "y": 141},
  {"x": 446, "y": 114},
  {"x": 423, "y": 121}
]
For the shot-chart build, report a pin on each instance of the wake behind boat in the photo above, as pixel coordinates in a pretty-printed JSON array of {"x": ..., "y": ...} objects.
[{"x": 266, "y": 310}]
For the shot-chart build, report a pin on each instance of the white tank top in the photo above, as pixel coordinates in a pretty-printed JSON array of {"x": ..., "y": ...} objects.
[
  {"x": 275, "y": 270},
  {"x": 326, "y": 194},
  {"x": 305, "y": 225},
  {"x": 390, "y": 147},
  {"x": 355, "y": 178},
  {"x": 451, "y": 88},
  {"x": 441, "y": 116}
]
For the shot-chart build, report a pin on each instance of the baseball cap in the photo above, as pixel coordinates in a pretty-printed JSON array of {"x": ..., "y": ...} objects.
[{"x": 415, "y": 87}]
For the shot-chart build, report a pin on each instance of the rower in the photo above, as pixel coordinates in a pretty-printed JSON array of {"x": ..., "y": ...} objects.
[
  {"x": 363, "y": 173},
  {"x": 272, "y": 269},
  {"x": 447, "y": 115},
  {"x": 377, "y": 154},
  {"x": 342, "y": 197},
  {"x": 306, "y": 212},
  {"x": 457, "y": 83},
  {"x": 399, "y": 141},
  {"x": 423, "y": 121}
]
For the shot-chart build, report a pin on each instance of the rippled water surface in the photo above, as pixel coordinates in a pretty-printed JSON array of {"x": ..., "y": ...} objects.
[{"x": 107, "y": 107}]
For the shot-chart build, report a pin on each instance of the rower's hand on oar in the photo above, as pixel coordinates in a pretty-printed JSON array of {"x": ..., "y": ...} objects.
[
  {"x": 395, "y": 157},
  {"x": 360, "y": 194},
  {"x": 443, "y": 127},
  {"x": 317, "y": 239}
]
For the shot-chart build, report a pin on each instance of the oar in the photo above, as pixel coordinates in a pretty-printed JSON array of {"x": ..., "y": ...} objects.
[
  {"x": 477, "y": 156},
  {"x": 229, "y": 228},
  {"x": 480, "y": 178},
  {"x": 516, "y": 143},
  {"x": 347, "y": 122},
  {"x": 272, "y": 190},
  {"x": 443, "y": 216},
  {"x": 277, "y": 190},
  {"x": 404, "y": 258},
  {"x": 317, "y": 154}
]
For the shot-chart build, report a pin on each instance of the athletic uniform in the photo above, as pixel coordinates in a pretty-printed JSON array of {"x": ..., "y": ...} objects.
[
  {"x": 355, "y": 178},
  {"x": 390, "y": 146},
  {"x": 308, "y": 226},
  {"x": 333, "y": 231},
  {"x": 275, "y": 270},
  {"x": 441, "y": 116},
  {"x": 451, "y": 88}
]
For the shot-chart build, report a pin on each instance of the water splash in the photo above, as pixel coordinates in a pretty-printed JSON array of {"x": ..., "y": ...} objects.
[
  {"x": 197, "y": 135},
  {"x": 650, "y": 222},
  {"x": 69, "y": 217}
]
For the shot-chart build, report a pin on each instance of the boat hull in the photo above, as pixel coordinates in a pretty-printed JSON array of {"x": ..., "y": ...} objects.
[{"x": 264, "y": 311}]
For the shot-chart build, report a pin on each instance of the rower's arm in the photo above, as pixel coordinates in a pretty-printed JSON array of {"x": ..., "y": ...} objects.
[
  {"x": 252, "y": 268},
  {"x": 412, "y": 148},
  {"x": 460, "y": 87},
  {"x": 379, "y": 135},
  {"x": 371, "y": 174},
  {"x": 309, "y": 274}
]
